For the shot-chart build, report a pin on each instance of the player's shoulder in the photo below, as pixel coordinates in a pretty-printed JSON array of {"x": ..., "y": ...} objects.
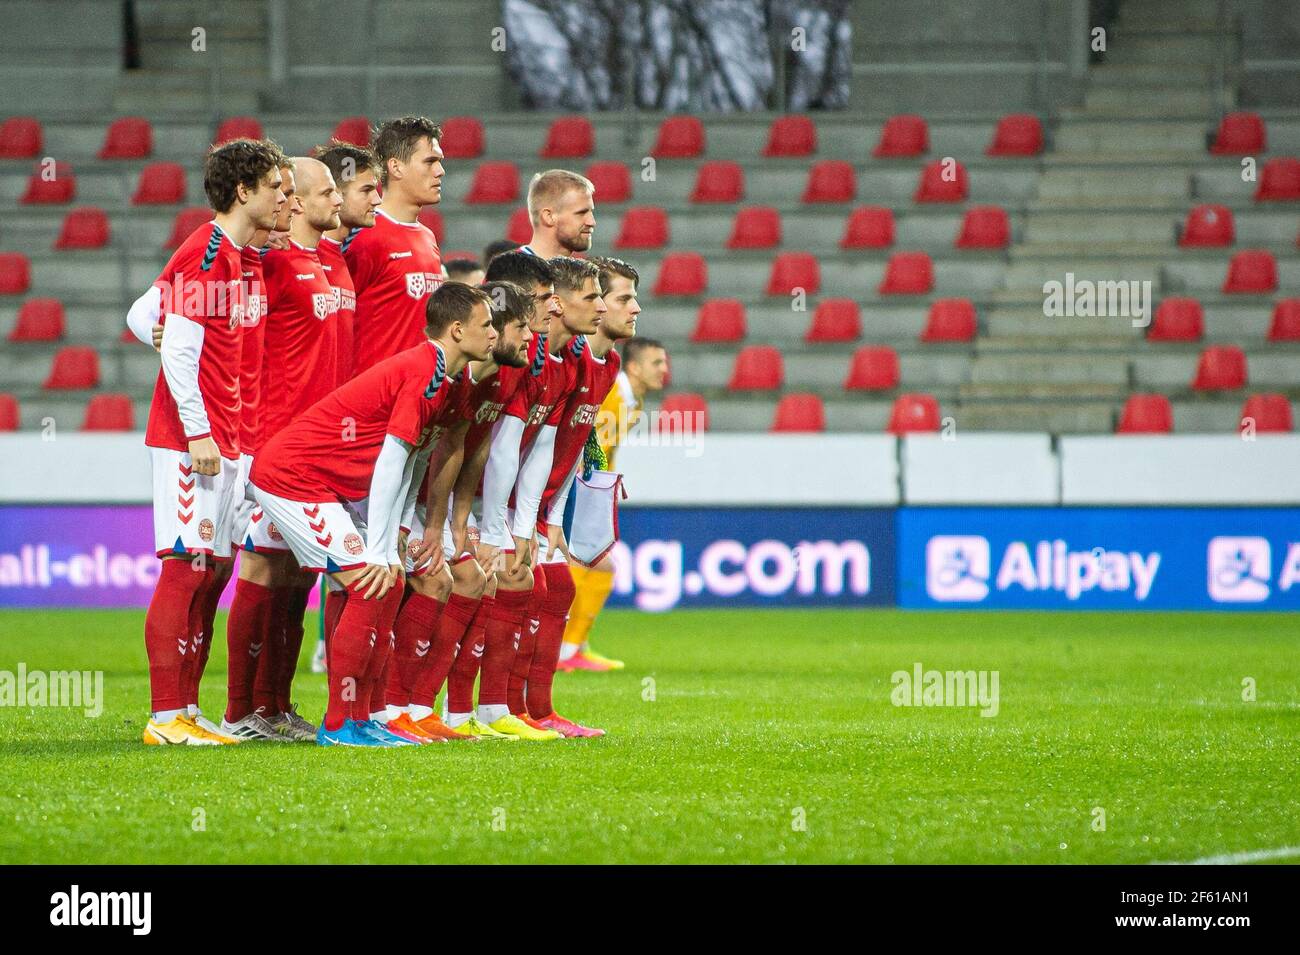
[{"x": 206, "y": 250}]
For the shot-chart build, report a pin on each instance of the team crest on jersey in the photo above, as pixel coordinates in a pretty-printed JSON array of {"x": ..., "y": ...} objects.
[
  {"x": 273, "y": 532},
  {"x": 416, "y": 286},
  {"x": 353, "y": 544},
  {"x": 320, "y": 304},
  {"x": 207, "y": 530},
  {"x": 585, "y": 414}
]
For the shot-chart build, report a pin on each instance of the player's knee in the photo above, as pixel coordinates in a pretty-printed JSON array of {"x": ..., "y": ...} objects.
[
  {"x": 470, "y": 579},
  {"x": 257, "y": 568}
]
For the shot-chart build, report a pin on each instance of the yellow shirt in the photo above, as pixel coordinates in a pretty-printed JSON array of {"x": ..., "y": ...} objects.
[{"x": 619, "y": 412}]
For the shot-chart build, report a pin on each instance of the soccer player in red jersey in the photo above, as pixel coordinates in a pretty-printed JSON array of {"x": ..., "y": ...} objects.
[
  {"x": 562, "y": 208},
  {"x": 335, "y": 480},
  {"x": 193, "y": 429},
  {"x": 395, "y": 264}
]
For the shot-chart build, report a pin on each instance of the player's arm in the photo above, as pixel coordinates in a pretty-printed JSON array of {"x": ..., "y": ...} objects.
[
  {"x": 533, "y": 473},
  {"x": 393, "y": 469},
  {"x": 444, "y": 467},
  {"x": 466, "y": 487},
  {"x": 499, "y": 475},
  {"x": 555, "y": 513},
  {"x": 144, "y": 318},
  {"x": 181, "y": 350}
]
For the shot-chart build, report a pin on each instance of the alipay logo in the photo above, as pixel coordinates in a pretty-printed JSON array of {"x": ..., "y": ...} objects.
[
  {"x": 1238, "y": 569},
  {"x": 957, "y": 568}
]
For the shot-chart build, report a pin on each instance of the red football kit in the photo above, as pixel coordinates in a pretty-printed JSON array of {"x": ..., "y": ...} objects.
[
  {"x": 336, "y": 269},
  {"x": 250, "y": 359}
]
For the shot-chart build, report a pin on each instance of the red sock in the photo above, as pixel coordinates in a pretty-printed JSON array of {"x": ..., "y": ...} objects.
[
  {"x": 206, "y": 632},
  {"x": 335, "y": 601},
  {"x": 414, "y": 629},
  {"x": 500, "y": 641},
  {"x": 268, "y": 664},
  {"x": 550, "y": 634},
  {"x": 460, "y": 682},
  {"x": 293, "y": 634},
  {"x": 190, "y": 665},
  {"x": 453, "y": 623},
  {"x": 350, "y": 655},
  {"x": 245, "y": 627},
  {"x": 516, "y": 694},
  {"x": 167, "y": 631},
  {"x": 379, "y": 660}
]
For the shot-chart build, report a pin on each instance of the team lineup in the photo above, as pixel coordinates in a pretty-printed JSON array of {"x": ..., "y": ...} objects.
[{"x": 333, "y": 400}]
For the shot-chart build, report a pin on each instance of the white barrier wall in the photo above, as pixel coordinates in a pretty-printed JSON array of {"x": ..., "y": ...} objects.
[
  {"x": 108, "y": 468},
  {"x": 979, "y": 469}
]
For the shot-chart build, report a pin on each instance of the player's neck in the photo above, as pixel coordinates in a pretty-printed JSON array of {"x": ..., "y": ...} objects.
[
  {"x": 639, "y": 388},
  {"x": 239, "y": 229},
  {"x": 481, "y": 370},
  {"x": 258, "y": 239},
  {"x": 557, "y": 337},
  {"x": 455, "y": 359},
  {"x": 397, "y": 207},
  {"x": 546, "y": 246},
  {"x": 600, "y": 345},
  {"x": 304, "y": 233},
  {"x": 339, "y": 234}
]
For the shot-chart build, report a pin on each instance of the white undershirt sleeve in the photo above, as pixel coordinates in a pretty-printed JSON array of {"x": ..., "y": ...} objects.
[
  {"x": 419, "y": 469},
  {"x": 181, "y": 348},
  {"x": 387, "y": 484},
  {"x": 532, "y": 481},
  {"x": 561, "y": 500},
  {"x": 499, "y": 479},
  {"x": 144, "y": 313}
]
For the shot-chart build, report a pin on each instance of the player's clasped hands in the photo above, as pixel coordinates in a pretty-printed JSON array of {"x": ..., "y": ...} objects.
[{"x": 205, "y": 457}]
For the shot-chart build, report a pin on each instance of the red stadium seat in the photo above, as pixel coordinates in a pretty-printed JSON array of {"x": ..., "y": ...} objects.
[
  {"x": 494, "y": 182},
  {"x": 1146, "y": 414},
  {"x": 612, "y": 180},
  {"x": 353, "y": 129},
  {"x": 9, "y": 416},
  {"x": 74, "y": 367},
  {"x": 129, "y": 137},
  {"x": 913, "y": 413},
  {"x": 161, "y": 184},
  {"x": 984, "y": 227},
  {"x": 1220, "y": 368},
  {"x": 432, "y": 220},
  {"x": 1178, "y": 320},
  {"x": 50, "y": 186},
  {"x": 942, "y": 181},
  {"x": 682, "y": 273},
  {"x": 1285, "y": 324},
  {"x": 238, "y": 127},
  {"x": 643, "y": 227},
  {"x": 950, "y": 320},
  {"x": 908, "y": 273},
  {"x": 835, "y": 320},
  {"x": 1240, "y": 134},
  {"x": 869, "y": 227},
  {"x": 830, "y": 180},
  {"x": 39, "y": 320},
  {"x": 109, "y": 413},
  {"x": 1269, "y": 413},
  {"x": 720, "y": 320},
  {"x": 799, "y": 413},
  {"x": 1279, "y": 180},
  {"x": 756, "y": 227},
  {"x": 757, "y": 368},
  {"x": 15, "y": 273},
  {"x": 1019, "y": 134},
  {"x": 873, "y": 368},
  {"x": 84, "y": 228},
  {"x": 1208, "y": 225},
  {"x": 791, "y": 136},
  {"x": 719, "y": 181},
  {"x": 682, "y": 412},
  {"x": 462, "y": 138},
  {"x": 1252, "y": 271},
  {"x": 570, "y": 137},
  {"x": 680, "y": 137},
  {"x": 21, "y": 137},
  {"x": 186, "y": 221},
  {"x": 520, "y": 227},
  {"x": 902, "y": 137},
  {"x": 794, "y": 271}
]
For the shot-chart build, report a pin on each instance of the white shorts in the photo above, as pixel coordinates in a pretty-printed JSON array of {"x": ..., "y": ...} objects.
[
  {"x": 252, "y": 532},
  {"x": 448, "y": 548},
  {"x": 326, "y": 536},
  {"x": 192, "y": 513}
]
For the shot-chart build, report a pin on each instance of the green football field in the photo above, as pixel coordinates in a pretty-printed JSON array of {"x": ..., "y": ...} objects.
[{"x": 734, "y": 736}]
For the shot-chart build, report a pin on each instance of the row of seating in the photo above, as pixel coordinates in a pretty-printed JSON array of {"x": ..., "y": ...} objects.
[{"x": 104, "y": 412}]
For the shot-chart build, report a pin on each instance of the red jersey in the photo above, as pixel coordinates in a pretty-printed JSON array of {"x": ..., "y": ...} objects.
[
  {"x": 485, "y": 402},
  {"x": 202, "y": 282},
  {"x": 596, "y": 377},
  {"x": 329, "y": 451},
  {"x": 538, "y": 405},
  {"x": 298, "y": 360},
  {"x": 250, "y": 360},
  {"x": 395, "y": 267},
  {"x": 336, "y": 269}
]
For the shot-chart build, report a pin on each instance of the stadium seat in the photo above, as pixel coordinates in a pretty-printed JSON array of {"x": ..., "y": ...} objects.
[
  {"x": 1253, "y": 271},
  {"x": 15, "y": 273},
  {"x": 799, "y": 413},
  {"x": 720, "y": 320},
  {"x": 109, "y": 413},
  {"x": 84, "y": 228},
  {"x": 1239, "y": 134},
  {"x": 128, "y": 337},
  {"x": 519, "y": 228},
  {"x": 39, "y": 320},
  {"x": 612, "y": 180},
  {"x": 1220, "y": 368},
  {"x": 238, "y": 127},
  {"x": 1208, "y": 225},
  {"x": 21, "y": 137},
  {"x": 432, "y": 220},
  {"x": 830, "y": 180},
  {"x": 643, "y": 227},
  {"x": 984, "y": 227},
  {"x": 869, "y": 227},
  {"x": 1269, "y": 413},
  {"x": 794, "y": 271},
  {"x": 755, "y": 227},
  {"x": 872, "y": 368},
  {"x": 680, "y": 137},
  {"x": 908, "y": 273},
  {"x": 56, "y": 187},
  {"x": 74, "y": 367},
  {"x": 1285, "y": 324},
  {"x": 1178, "y": 320},
  {"x": 790, "y": 136},
  {"x": 1279, "y": 180},
  {"x": 835, "y": 320},
  {"x": 757, "y": 368},
  {"x": 186, "y": 221},
  {"x": 462, "y": 138},
  {"x": 950, "y": 320},
  {"x": 9, "y": 416},
  {"x": 494, "y": 182},
  {"x": 719, "y": 181},
  {"x": 942, "y": 181},
  {"x": 353, "y": 129},
  {"x": 570, "y": 137},
  {"x": 902, "y": 137},
  {"x": 1019, "y": 134},
  {"x": 682, "y": 273},
  {"x": 161, "y": 184},
  {"x": 128, "y": 137},
  {"x": 1146, "y": 414},
  {"x": 684, "y": 411},
  {"x": 913, "y": 413}
]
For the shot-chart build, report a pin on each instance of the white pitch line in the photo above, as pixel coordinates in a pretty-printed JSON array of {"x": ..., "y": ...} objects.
[{"x": 1242, "y": 858}]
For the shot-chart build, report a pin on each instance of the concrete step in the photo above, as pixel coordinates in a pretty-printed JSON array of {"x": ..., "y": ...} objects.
[
  {"x": 1029, "y": 322},
  {"x": 1055, "y": 417},
  {"x": 1147, "y": 47},
  {"x": 1188, "y": 159},
  {"x": 1042, "y": 391},
  {"x": 1164, "y": 100},
  {"x": 1066, "y": 341},
  {"x": 1174, "y": 75},
  {"x": 1111, "y": 183},
  {"x": 1117, "y": 228},
  {"x": 1089, "y": 134},
  {"x": 1011, "y": 370},
  {"x": 1174, "y": 205},
  {"x": 1034, "y": 273},
  {"x": 1166, "y": 13},
  {"x": 1153, "y": 252},
  {"x": 234, "y": 58}
]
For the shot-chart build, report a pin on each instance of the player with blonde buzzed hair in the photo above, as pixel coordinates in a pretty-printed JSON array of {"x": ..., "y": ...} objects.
[{"x": 563, "y": 212}]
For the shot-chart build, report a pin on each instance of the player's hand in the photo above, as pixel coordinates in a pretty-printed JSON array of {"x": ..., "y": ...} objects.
[
  {"x": 277, "y": 240},
  {"x": 555, "y": 541},
  {"x": 157, "y": 337},
  {"x": 459, "y": 539},
  {"x": 375, "y": 579},
  {"x": 205, "y": 457},
  {"x": 397, "y": 572},
  {"x": 523, "y": 556},
  {"x": 489, "y": 558},
  {"x": 402, "y": 537}
]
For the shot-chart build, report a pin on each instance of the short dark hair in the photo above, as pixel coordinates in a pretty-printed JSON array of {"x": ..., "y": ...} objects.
[
  {"x": 498, "y": 246},
  {"x": 397, "y": 139},
  {"x": 571, "y": 273},
  {"x": 610, "y": 267},
  {"x": 510, "y": 303},
  {"x": 345, "y": 160},
  {"x": 522, "y": 268},
  {"x": 464, "y": 266},
  {"x": 239, "y": 162},
  {"x": 452, "y": 302},
  {"x": 633, "y": 347}
]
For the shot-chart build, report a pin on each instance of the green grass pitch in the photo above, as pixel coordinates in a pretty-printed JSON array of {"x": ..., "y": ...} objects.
[{"x": 734, "y": 736}]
